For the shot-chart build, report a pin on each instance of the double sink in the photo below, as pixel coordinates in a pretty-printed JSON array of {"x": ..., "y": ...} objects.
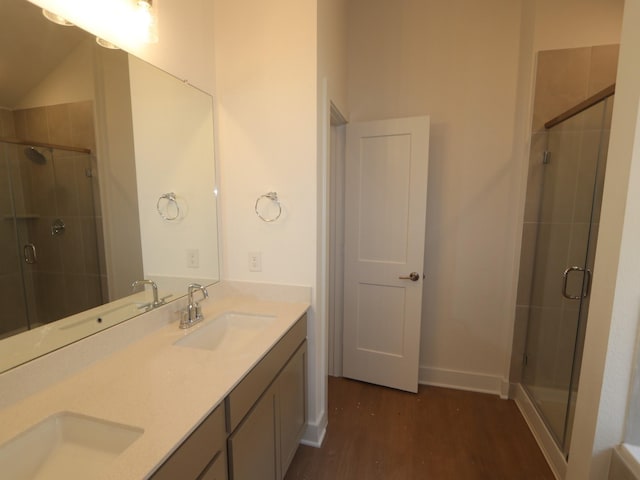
[{"x": 68, "y": 445}]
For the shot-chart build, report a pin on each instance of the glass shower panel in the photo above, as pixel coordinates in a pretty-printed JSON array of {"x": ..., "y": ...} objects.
[
  {"x": 51, "y": 266},
  {"x": 66, "y": 272},
  {"x": 603, "y": 148},
  {"x": 14, "y": 318},
  {"x": 565, "y": 239}
]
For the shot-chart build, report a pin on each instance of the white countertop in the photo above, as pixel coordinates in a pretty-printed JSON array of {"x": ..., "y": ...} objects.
[{"x": 151, "y": 384}]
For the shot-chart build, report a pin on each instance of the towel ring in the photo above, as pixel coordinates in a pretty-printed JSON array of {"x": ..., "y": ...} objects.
[
  {"x": 273, "y": 196},
  {"x": 164, "y": 212}
]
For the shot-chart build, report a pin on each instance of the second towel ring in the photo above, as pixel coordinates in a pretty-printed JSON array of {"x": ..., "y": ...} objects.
[
  {"x": 273, "y": 196},
  {"x": 164, "y": 212}
]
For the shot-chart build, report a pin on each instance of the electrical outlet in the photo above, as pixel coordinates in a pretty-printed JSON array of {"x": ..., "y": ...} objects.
[
  {"x": 255, "y": 261},
  {"x": 193, "y": 258}
]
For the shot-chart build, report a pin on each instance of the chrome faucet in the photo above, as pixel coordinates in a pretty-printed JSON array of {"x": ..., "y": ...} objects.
[
  {"x": 156, "y": 301},
  {"x": 193, "y": 313}
]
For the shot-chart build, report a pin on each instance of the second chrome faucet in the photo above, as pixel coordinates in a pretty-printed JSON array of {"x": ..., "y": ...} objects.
[
  {"x": 156, "y": 301},
  {"x": 193, "y": 313}
]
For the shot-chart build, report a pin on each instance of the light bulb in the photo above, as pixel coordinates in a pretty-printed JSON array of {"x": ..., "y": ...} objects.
[
  {"x": 106, "y": 44},
  {"x": 147, "y": 21},
  {"x": 55, "y": 18}
]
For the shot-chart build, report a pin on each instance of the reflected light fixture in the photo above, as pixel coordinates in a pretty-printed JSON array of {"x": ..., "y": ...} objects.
[
  {"x": 127, "y": 21},
  {"x": 106, "y": 44},
  {"x": 55, "y": 18}
]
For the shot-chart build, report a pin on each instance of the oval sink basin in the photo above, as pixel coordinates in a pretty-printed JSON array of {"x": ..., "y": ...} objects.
[
  {"x": 63, "y": 446},
  {"x": 231, "y": 331}
]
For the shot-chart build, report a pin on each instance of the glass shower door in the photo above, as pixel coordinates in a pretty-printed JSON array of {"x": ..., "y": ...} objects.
[
  {"x": 50, "y": 266},
  {"x": 62, "y": 265},
  {"x": 569, "y": 213},
  {"x": 13, "y": 298}
]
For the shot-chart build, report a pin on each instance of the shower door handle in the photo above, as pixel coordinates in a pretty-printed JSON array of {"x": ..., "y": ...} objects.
[
  {"x": 585, "y": 291},
  {"x": 587, "y": 287},
  {"x": 29, "y": 252}
]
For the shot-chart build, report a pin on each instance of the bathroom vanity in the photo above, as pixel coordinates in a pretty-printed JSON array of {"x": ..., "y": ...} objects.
[
  {"x": 225, "y": 398},
  {"x": 256, "y": 431}
]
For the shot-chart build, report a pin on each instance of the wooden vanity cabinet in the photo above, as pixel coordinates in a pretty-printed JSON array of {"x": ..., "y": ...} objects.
[
  {"x": 263, "y": 440},
  {"x": 292, "y": 406},
  {"x": 255, "y": 433},
  {"x": 201, "y": 456}
]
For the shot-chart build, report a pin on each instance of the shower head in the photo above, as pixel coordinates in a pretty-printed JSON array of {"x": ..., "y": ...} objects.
[{"x": 35, "y": 155}]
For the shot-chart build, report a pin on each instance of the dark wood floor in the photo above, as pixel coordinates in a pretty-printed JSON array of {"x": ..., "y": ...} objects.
[{"x": 440, "y": 434}]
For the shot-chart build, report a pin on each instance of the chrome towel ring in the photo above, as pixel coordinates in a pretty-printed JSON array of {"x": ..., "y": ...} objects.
[
  {"x": 273, "y": 196},
  {"x": 164, "y": 208}
]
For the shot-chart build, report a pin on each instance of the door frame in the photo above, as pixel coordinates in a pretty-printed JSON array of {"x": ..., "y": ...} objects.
[{"x": 335, "y": 226}]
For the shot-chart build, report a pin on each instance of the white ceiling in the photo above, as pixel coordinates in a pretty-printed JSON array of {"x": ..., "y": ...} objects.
[{"x": 30, "y": 48}]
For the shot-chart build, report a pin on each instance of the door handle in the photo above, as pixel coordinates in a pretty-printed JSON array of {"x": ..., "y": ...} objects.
[
  {"x": 585, "y": 291},
  {"x": 413, "y": 276},
  {"x": 29, "y": 252},
  {"x": 589, "y": 278}
]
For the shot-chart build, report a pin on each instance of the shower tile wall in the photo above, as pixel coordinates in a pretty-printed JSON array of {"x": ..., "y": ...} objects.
[
  {"x": 563, "y": 79},
  {"x": 67, "y": 276}
]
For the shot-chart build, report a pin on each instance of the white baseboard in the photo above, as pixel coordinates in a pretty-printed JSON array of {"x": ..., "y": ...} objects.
[
  {"x": 550, "y": 450},
  {"x": 314, "y": 435},
  {"x": 474, "y": 382}
]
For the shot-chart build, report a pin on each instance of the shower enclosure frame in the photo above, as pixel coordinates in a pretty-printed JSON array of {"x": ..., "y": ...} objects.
[{"x": 574, "y": 278}]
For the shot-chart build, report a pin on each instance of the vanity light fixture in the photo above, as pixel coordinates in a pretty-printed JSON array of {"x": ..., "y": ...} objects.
[
  {"x": 130, "y": 21},
  {"x": 55, "y": 18},
  {"x": 106, "y": 44},
  {"x": 147, "y": 20}
]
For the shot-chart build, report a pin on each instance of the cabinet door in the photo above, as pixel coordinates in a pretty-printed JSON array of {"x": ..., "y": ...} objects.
[
  {"x": 253, "y": 448},
  {"x": 292, "y": 405},
  {"x": 217, "y": 470}
]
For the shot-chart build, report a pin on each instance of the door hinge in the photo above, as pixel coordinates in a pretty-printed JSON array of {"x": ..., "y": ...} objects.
[
  {"x": 525, "y": 359},
  {"x": 546, "y": 157}
]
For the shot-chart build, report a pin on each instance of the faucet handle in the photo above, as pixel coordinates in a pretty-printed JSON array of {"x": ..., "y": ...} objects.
[{"x": 198, "y": 312}]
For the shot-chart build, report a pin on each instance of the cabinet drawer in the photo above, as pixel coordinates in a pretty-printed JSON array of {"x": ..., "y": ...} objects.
[
  {"x": 197, "y": 452},
  {"x": 247, "y": 392}
]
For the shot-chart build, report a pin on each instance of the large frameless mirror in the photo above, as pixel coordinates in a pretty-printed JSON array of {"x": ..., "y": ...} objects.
[{"x": 106, "y": 177}]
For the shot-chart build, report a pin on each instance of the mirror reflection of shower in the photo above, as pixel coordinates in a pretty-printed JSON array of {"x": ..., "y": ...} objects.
[
  {"x": 33, "y": 154},
  {"x": 52, "y": 260}
]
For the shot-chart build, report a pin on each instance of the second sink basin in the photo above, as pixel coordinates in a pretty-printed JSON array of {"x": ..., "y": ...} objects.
[
  {"x": 230, "y": 331},
  {"x": 64, "y": 446}
]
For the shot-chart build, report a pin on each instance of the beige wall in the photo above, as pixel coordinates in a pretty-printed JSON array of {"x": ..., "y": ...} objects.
[
  {"x": 266, "y": 107},
  {"x": 117, "y": 173},
  {"x": 332, "y": 51},
  {"x": 456, "y": 61},
  {"x": 71, "y": 81},
  {"x": 575, "y": 23}
]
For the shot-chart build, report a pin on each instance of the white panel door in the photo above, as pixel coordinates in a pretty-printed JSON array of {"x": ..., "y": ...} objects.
[{"x": 385, "y": 210}]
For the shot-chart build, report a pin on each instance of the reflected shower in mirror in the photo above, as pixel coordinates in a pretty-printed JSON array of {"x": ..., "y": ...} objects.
[{"x": 91, "y": 141}]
